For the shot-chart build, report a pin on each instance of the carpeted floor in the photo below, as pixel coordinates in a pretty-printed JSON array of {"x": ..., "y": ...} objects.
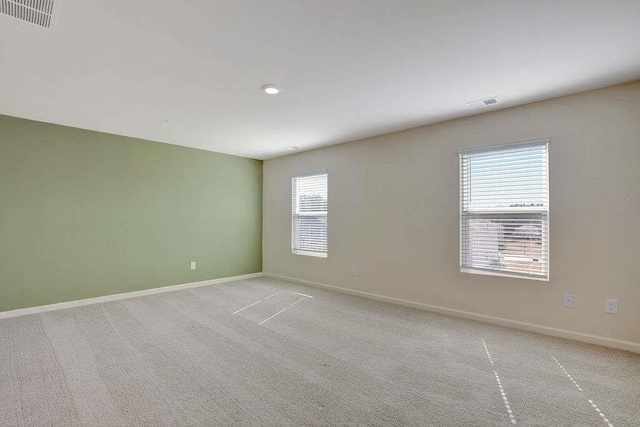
[{"x": 185, "y": 358}]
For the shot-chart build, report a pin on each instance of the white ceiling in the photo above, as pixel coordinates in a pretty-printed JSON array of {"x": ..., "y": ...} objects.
[{"x": 348, "y": 69}]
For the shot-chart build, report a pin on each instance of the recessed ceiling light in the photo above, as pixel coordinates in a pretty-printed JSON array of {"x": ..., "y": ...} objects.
[
  {"x": 292, "y": 148},
  {"x": 271, "y": 89}
]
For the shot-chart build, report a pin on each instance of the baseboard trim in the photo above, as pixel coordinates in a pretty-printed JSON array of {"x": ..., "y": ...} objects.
[
  {"x": 531, "y": 327},
  {"x": 121, "y": 296}
]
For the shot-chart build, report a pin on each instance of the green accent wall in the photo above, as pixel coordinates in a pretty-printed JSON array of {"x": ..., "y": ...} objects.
[{"x": 85, "y": 214}]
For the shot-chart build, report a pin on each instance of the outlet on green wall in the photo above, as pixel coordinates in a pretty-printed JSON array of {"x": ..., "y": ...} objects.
[{"x": 86, "y": 214}]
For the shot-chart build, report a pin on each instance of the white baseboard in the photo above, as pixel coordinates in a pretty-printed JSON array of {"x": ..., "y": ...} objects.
[
  {"x": 531, "y": 327},
  {"x": 125, "y": 295}
]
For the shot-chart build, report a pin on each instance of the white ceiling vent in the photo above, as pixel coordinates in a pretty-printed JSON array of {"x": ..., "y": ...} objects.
[
  {"x": 482, "y": 102},
  {"x": 38, "y": 12}
]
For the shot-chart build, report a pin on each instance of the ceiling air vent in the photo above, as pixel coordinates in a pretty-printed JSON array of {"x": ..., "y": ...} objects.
[
  {"x": 38, "y": 12},
  {"x": 482, "y": 102}
]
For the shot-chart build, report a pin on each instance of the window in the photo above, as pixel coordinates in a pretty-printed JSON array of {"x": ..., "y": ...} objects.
[
  {"x": 504, "y": 210},
  {"x": 309, "y": 214}
]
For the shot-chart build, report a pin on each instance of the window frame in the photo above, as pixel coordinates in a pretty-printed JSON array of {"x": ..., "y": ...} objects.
[
  {"x": 295, "y": 213},
  {"x": 496, "y": 147}
]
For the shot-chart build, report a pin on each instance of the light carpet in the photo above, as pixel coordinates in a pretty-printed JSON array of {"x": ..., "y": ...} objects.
[{"x": 284, "y": 358}]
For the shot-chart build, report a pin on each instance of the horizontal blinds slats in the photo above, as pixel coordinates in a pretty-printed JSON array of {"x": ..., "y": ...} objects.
[
  {"x": 309, "y": 213},
  {"x": 506, "y": 148},
  {"x": 508, "y": 167},
  {"x": 489, "y": 157},
  {"x": 504, "y": 218},
  {"x": 513, "y": 183}
]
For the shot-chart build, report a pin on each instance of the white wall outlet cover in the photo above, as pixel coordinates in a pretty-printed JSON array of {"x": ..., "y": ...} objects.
[
  {"x": 193, "y": 265},
  {"x": 611, "y": 306},
  {"x": 569, "y": 300},
  {"x": 354, "y": 271}
]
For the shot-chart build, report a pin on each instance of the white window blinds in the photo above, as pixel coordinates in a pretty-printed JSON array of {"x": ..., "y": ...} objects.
[
  {"x": 309, "y": 214},
  {"x": 504, "y": 210}
]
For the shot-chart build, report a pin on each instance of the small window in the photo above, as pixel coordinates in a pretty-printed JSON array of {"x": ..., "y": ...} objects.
[
  {"x": 504, "y": 210},
  {"x": 309, "y": 214}
]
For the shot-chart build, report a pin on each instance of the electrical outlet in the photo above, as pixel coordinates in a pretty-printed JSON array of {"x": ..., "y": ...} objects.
[
  {"x": 569, "y": 300},
  {"x": 193, "y": 265},
  {"x": 611, "y": 306},
  {"x": 354, "y": 271}
]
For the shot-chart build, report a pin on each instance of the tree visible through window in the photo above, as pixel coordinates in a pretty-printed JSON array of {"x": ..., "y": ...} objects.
[
  {"x": 309, "y": 214},
  {"x": 504, "y": 209}
]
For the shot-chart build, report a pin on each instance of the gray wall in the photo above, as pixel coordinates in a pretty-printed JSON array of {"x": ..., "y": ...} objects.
[{"x": 394, "y": 212}]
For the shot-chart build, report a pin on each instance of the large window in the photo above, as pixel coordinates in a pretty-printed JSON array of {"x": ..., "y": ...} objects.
[
  {"x": 309, "y": 214},
  {"x": 504, "y": 210}
]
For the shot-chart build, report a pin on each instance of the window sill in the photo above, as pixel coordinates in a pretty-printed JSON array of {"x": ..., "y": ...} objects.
[
  {"x": 309, "y": 253},
  {"x": 499, "y": 274}
]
